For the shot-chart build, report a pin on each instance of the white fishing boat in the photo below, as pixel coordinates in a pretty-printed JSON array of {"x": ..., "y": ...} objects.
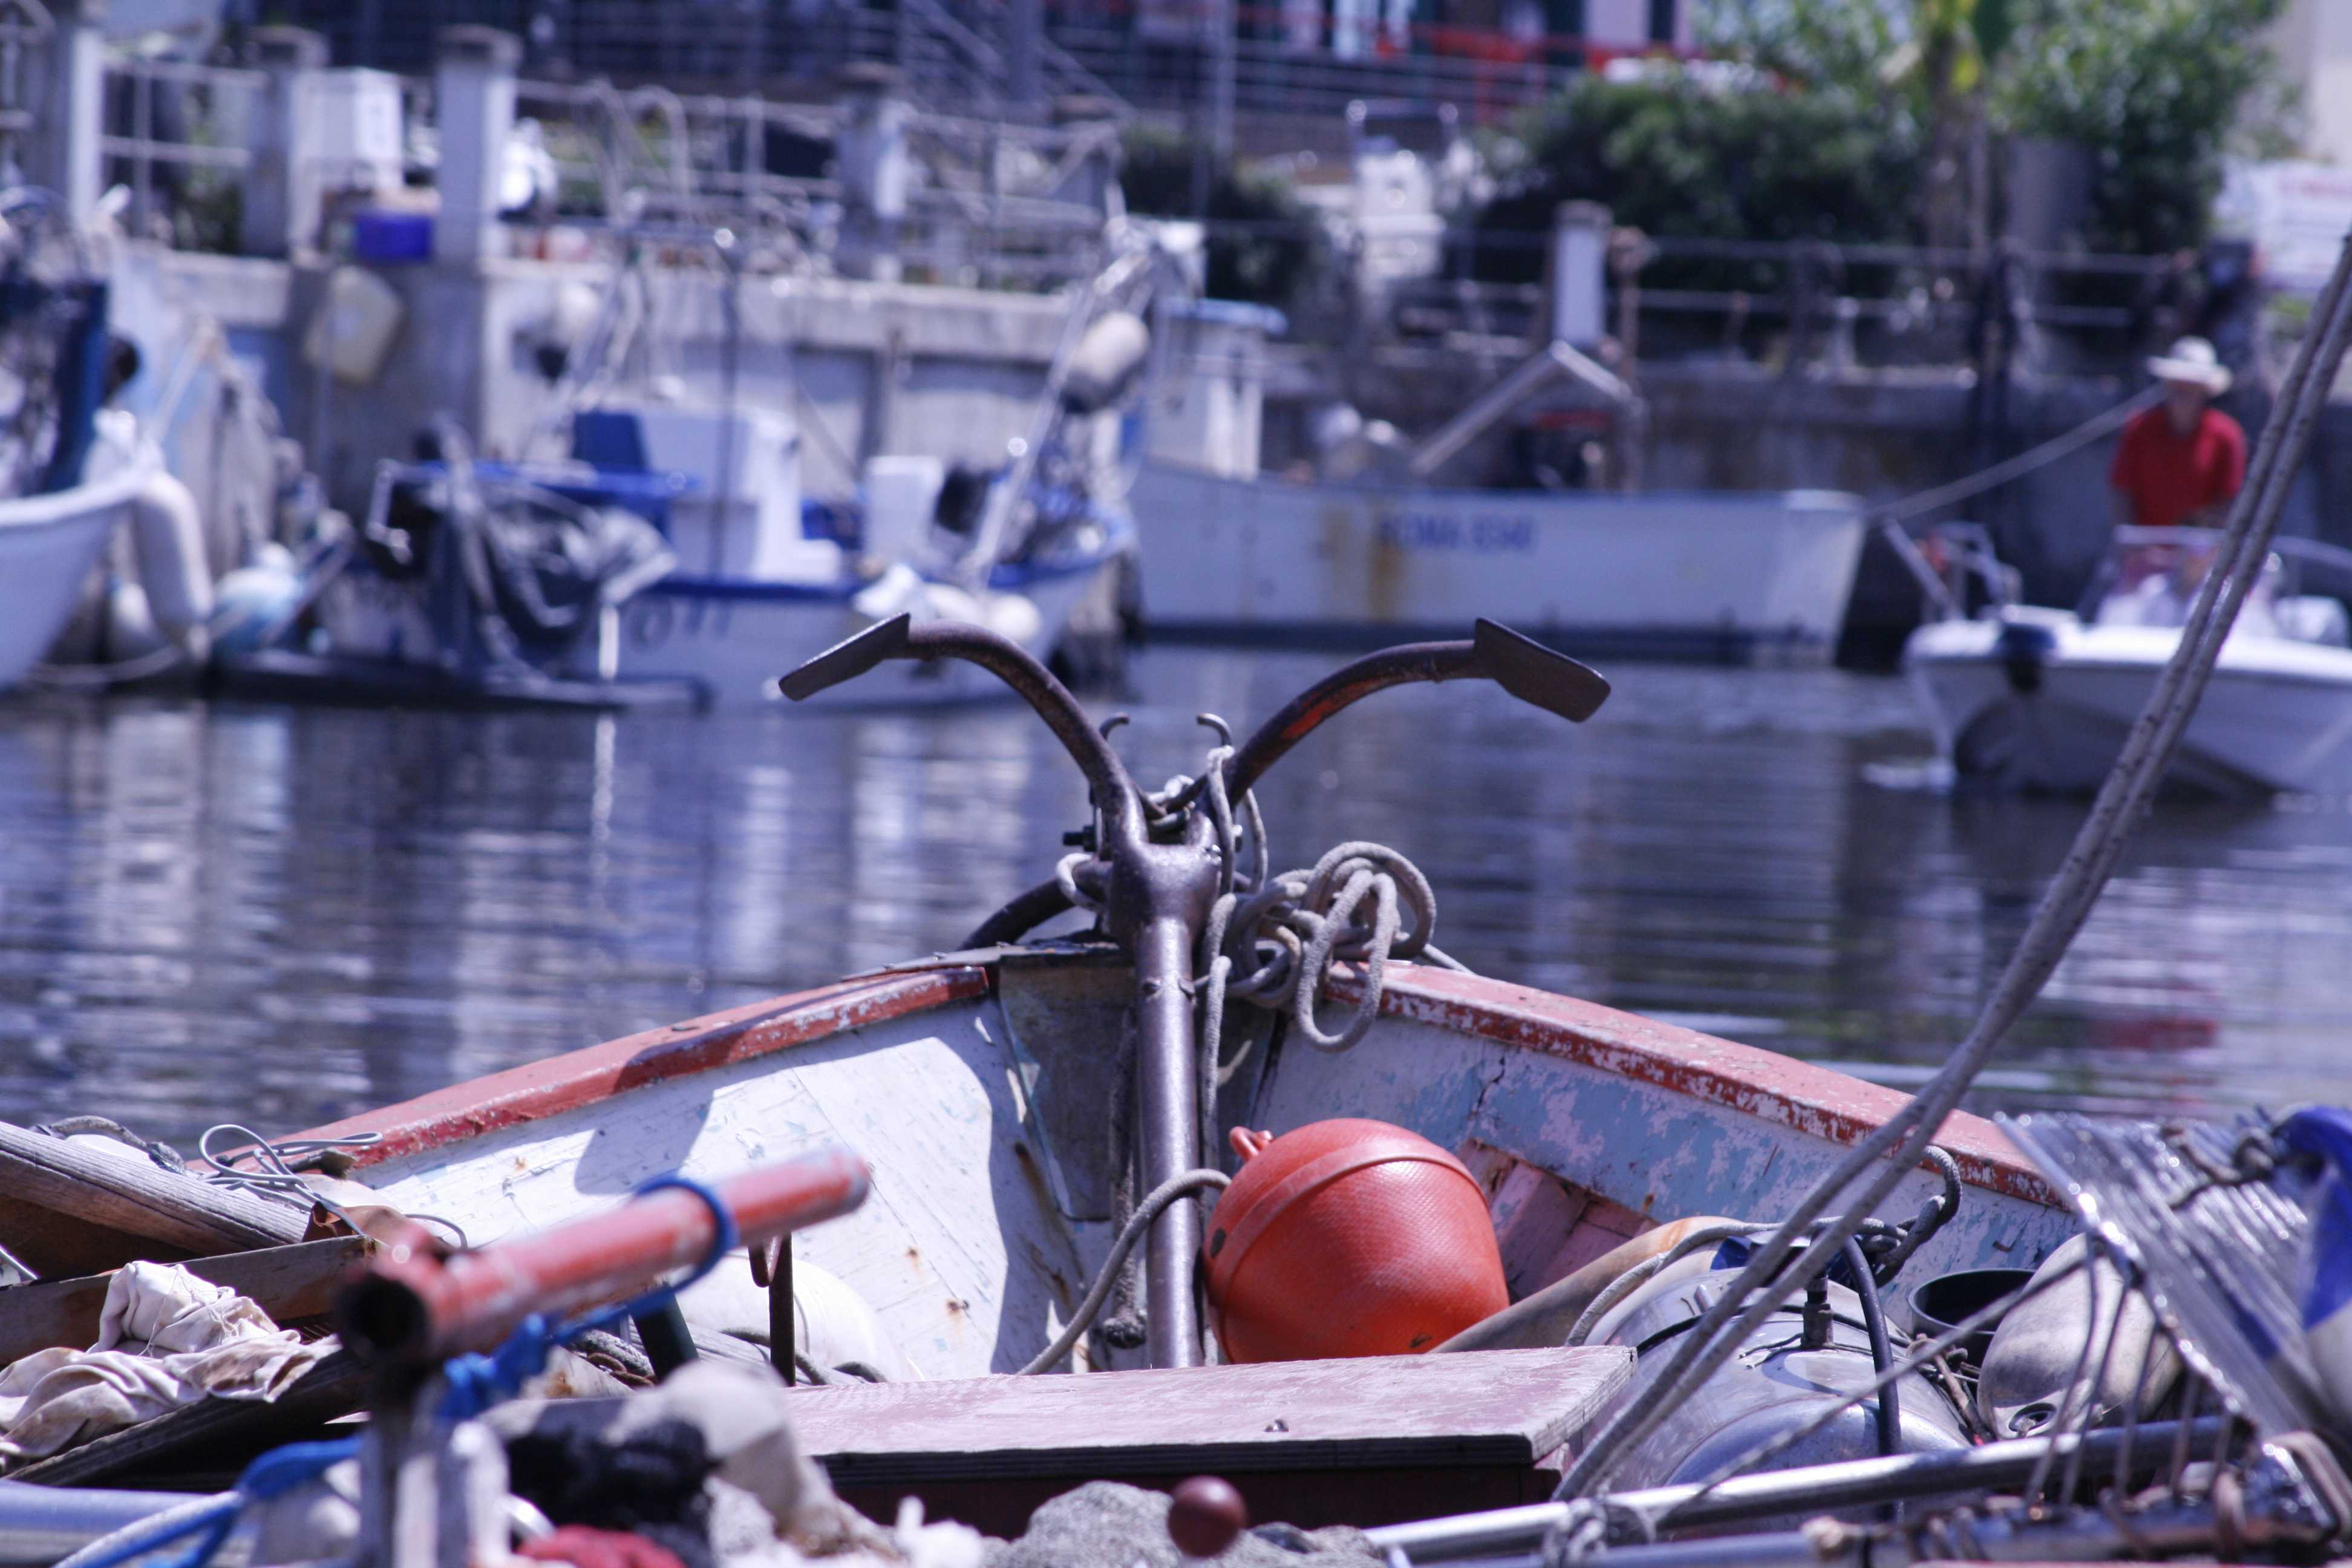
[
  {"x": 686, "y": 580},
  {"x": 1725, "y": 578},
  {"x": 2028, "y": 696},
  {"x": 671, "y": 548}
]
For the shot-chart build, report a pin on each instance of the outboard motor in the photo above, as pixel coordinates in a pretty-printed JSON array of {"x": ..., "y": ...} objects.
[
  {"x": 1815, "y": 1352},
  {"x": 2024, "y": 648}
]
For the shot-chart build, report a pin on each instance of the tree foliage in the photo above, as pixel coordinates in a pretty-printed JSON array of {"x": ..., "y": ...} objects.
[
  {"x": 2158, "y": 91},
  {"x": 1676, "y": 157}
]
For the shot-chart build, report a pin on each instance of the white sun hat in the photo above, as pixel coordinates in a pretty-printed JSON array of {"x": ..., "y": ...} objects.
[{"x": 2193, "y": 361}]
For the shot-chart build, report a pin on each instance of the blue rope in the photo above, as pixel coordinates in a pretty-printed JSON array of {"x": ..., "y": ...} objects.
[
  {"x": 478, "y": 1382},
  {"x": 272, "y": 1475}
]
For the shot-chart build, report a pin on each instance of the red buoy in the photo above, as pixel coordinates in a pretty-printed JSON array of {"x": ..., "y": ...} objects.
[{"x": 1348, "y": 1238}]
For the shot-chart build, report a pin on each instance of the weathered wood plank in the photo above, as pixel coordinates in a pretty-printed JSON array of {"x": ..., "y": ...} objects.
[
  {"x": 60, "y": 1247},
  {"x": 214, "y": 1430},
  {"x": 1497, "y": 1408},
  {"x": 50, "y": 1176},
  {"x": 289, "y": 1283}
]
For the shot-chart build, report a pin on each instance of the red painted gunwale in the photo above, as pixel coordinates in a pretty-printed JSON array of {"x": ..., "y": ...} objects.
[
  {"x": 1815, "y": 1101},
  {"x": 542, "y": 1089}
]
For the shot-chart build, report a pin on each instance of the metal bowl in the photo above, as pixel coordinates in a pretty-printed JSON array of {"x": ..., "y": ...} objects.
[{"x": 1944, "y": 1302}]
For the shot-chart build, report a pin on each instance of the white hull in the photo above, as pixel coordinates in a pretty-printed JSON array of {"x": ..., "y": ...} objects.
[
  {"x": 2277, "y": 716},
  {"x": 1726, "y": 578},
  {"x": 49, "y": 544},
  {"x": 736, "y": 640},
  {"x": 733, "y": 639}
]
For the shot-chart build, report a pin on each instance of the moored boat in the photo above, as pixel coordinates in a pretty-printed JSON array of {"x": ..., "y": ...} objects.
[
  {"x": 2040, "y": 699},
  {"x": 973, "y": 1086},
  {"x": 1729, "y": 579},
  {"x": 975, "y": 1083}
]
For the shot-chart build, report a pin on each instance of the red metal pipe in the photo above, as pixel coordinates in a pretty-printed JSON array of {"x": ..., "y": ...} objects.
[{"x": 408, "y": 1306}]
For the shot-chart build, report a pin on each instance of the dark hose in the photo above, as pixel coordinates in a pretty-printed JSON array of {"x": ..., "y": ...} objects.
[
  {"x": 1022, "y": 915},
  {"x": 1882, "y": 1356}
]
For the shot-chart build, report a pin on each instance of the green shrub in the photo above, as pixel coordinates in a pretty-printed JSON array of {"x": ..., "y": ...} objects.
[{"x": 1674, "y": 158}]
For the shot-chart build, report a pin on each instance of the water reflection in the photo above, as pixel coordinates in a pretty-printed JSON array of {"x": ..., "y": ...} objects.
[{"x": 280, "y": 915}]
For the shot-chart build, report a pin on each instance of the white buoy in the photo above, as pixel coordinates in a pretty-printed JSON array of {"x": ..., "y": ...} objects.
[
  {"x": 1107, "y": 358},
  {"x": 257, "y": 600}
]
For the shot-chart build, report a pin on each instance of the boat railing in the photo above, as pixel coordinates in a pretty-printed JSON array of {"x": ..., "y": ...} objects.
[
  {"x": 2296, "y": 568},
  {"x": 1004, "y": 197},
  {"x": 1953, "y": 563}
]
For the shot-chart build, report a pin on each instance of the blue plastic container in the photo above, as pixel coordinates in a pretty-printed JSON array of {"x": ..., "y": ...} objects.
[{"x": 382, "y": 237}]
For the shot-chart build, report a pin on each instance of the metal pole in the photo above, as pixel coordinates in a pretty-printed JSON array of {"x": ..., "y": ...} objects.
[
  {"x": 729, "y": 351},
  {"x": 41, "y": 1525},
  {"x": 1222, "y": 18},
  {"x": 1169, "y": 1109},
  {"x": 142, "y": 95},
  {"x": 1814, "y": 1489},
  {"x": 412, "y": 1307},
  {"x": 1023, "y": 47}
]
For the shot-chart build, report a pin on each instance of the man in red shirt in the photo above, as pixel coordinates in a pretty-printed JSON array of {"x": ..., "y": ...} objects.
[{"x": 2182, "y": 461}]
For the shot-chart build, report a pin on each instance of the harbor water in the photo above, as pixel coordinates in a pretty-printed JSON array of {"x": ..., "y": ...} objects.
[{"x": 279, "y": 915}]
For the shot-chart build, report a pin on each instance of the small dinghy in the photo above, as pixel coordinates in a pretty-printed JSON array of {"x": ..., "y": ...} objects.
[{"x": 2035, "y": 698}]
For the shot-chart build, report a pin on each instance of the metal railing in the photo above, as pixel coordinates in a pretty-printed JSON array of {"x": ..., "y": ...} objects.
[
  {"x": 990, "y": 200},
  {"x": 1290, "y": 61},
  {"x": 176, "y": 137},
  {"x": 1793, "y": 303}
]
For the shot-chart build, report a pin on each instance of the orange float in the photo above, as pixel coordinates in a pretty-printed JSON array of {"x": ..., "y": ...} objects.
[{"x": 1348, "y": 1238}]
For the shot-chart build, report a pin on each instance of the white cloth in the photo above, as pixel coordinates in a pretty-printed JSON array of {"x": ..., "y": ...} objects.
[{"x": 166, "y": 1339}]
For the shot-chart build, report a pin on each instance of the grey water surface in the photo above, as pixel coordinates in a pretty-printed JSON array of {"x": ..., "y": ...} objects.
[{"x": 278, "y": 915}]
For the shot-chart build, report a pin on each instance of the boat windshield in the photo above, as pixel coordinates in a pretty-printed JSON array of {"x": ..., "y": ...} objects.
[{"x": 2149, "y": 577}]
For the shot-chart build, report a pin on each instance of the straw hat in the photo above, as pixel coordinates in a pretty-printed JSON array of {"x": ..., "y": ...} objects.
[{"x": 2192, "y": 360}]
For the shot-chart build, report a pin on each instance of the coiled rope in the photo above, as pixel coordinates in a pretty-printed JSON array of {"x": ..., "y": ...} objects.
[{"x": 1271, "y": 942}]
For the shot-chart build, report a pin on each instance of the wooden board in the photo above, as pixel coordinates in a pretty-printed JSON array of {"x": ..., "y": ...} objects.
[
  {"x": 1505, "y": 1408},
  {"x": 289, "y": 1283},
  {"x": 103, "y": 1199},
  {"x": 218, "y": 1433}
]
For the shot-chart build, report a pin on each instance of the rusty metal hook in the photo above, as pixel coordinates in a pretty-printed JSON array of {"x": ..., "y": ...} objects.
[
  {"x": 1519, "y": 665},
  {"x": 1115, "y": 796}
]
